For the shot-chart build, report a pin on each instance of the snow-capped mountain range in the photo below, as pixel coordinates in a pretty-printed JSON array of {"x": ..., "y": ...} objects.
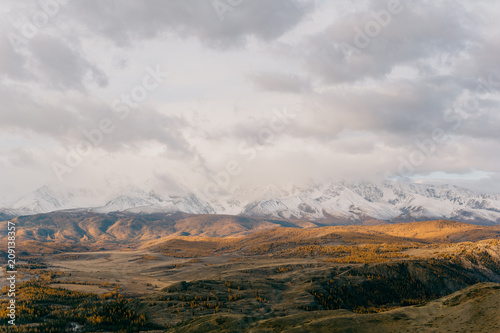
[{"x": 332, "y": 202}]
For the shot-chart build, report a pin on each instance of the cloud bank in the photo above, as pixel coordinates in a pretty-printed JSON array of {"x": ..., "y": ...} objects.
[{"x": 266, "y": 92}]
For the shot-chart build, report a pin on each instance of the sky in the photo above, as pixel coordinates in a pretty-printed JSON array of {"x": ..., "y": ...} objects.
[{"x": 181, "y": 95}]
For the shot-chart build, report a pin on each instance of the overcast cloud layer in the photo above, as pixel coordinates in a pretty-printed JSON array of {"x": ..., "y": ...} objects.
[{"x": 257, "y": 92}]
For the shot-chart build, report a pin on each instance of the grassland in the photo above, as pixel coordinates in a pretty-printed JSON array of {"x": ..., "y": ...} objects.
[{"x": 387, "y": 278}]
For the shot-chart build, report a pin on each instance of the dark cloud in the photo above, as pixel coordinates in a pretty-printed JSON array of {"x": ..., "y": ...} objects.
[
  {"x": 21, "y": 113},
  {"x": 55, "y": 60},
  {"x": 61, "y": 67},
  {"x": 396, "y": 112},
  {"x": 146, "y": 124},
  {"x": 344, "y": 52},
  {"x": 217, "y": 23},
  {"x": 362, "y": 111}
]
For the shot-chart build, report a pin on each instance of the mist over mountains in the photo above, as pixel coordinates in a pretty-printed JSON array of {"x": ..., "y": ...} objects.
[{"x": 331, "y": 203}]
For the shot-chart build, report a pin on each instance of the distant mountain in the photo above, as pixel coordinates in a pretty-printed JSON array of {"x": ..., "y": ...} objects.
[
  {"x": 149, "y": 202},
  {"x": 119, "y": 227},
  {"x": 42, "y": 200},
  {"x": 153, "y": 229},
  {"x": 325, "y": 203},
  {"x": 390, "y": 201},
  {"x": 49, "y": 199}
]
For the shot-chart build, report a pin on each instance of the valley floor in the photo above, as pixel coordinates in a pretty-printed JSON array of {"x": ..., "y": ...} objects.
[{"x": 427, "y": 277}]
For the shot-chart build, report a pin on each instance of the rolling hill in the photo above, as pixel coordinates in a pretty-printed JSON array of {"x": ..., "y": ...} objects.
[{"x": 148, "y": 229}]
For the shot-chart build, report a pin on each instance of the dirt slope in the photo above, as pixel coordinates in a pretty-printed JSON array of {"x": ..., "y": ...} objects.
[{"x": 473, "y": 309}]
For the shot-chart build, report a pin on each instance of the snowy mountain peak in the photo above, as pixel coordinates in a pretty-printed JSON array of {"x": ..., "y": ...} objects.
[
  {"x": 43, "y": 200},
  {"x": 348, "y": 202},
  {"x": 388, "y": 201},
  {"x": 52, "y": 198}
]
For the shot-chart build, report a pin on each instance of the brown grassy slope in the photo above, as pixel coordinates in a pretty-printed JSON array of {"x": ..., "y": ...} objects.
[
  {"x": 473, "y": 309},
  {"x": 72, "y": 227},
  {"x": 440, "y": 231},
  {"x": 137, "y": 230},
  {"x": 285, "y": 238},
  {"x": 428, "y": 231}
]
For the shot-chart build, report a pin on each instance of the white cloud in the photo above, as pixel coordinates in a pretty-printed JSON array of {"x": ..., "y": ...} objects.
[{"x": 357, "y": 117}]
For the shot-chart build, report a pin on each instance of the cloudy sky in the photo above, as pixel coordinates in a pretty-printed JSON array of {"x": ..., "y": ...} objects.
[{"x": 176, "y": 95}]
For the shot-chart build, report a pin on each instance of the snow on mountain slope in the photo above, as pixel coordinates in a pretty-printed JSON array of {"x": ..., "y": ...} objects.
[
  {"x": 388, "y": 201},
  {"x": 42, "y": 200},
  {"x": 329, "y": 201},
  {"x": 49, "y": 199},
  {"x": 149, "y": 202},
  {"x": 131, "y": 200}
]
